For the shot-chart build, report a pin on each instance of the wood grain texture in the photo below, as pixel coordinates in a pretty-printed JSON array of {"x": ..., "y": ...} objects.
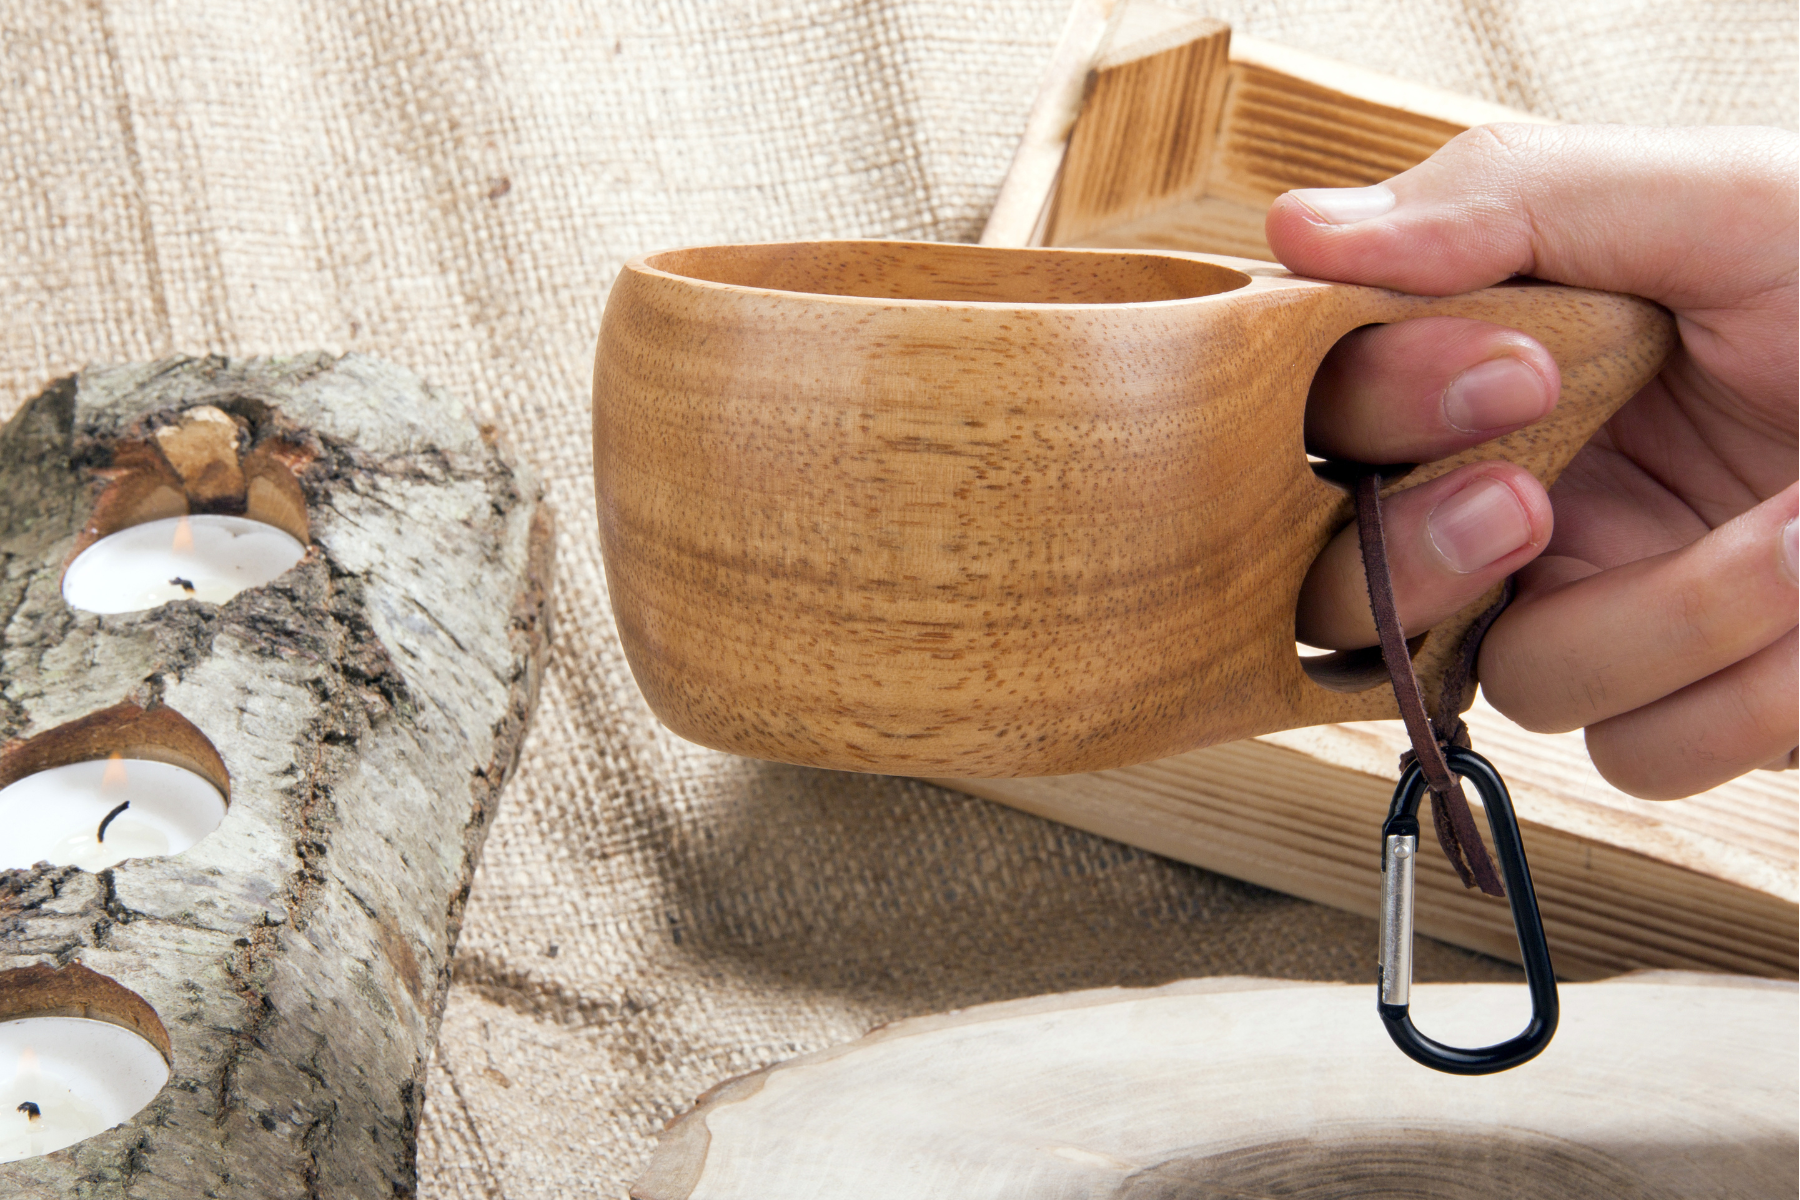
[
  {"x": 363, "y": 711},
  {"x": 1291, "y": 120},
  {"x": 1019, "y": 208},
  {"x": 1145, "y": 134},
  {"x": 953, "y": 510},
  {"x": 1708, "y": 883},
  {"x": 1270, "y": 118},
  {"x": 1662, "y": 1086}
]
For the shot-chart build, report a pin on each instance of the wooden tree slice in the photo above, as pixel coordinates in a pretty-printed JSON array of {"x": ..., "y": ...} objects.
[
  {"x": 1659, "y": 1086},
  {"x": 366, "y": 707}
]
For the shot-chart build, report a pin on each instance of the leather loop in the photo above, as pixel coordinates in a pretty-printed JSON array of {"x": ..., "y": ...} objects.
[{"x": 1450, "y": 816}]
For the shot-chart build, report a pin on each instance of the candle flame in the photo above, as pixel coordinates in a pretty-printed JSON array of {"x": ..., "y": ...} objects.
[
  {"x": 28, "y": 1059},
  {"x": 184, "y": 537},
  {"x": 115, "y": 772}
]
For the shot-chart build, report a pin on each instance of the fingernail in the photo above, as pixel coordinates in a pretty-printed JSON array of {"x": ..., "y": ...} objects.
[
  {"x": 1478, "y": 525},
  {"x": 1790, "y": 549},
  {"x": 1346, "y": 206},
  {"x": 1495, "y": 394}
]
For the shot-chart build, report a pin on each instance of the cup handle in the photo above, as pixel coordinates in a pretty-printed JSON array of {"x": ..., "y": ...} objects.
[{"x": 1606, "y": 345}]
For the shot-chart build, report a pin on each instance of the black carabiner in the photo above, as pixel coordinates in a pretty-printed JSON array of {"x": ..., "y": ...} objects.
[{"x": 1399, "y": 848}]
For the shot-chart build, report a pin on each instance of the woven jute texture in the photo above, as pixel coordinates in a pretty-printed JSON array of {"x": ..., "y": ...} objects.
[{"x": 453, "y": 185}]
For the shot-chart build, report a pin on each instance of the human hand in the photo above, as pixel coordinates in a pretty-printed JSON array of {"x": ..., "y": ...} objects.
[{"x": 1656, "y": 598}]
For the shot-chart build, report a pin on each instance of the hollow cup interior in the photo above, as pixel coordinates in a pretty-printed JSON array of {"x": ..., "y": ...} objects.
[{"x": 930, "y": 271}]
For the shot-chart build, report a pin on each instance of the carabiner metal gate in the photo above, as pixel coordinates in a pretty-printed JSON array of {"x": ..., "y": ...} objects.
[{"x": 1400, "y": 847}]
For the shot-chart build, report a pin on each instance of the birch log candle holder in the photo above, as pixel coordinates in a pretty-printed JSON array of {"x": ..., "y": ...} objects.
[{"x": 356, "y": 710}]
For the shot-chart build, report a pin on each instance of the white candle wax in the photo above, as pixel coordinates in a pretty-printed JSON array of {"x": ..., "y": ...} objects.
[
  {"x": 81, "y": 1077},
  {"x": 205, "y": 557},
  {"x": 55, "y": 815}
]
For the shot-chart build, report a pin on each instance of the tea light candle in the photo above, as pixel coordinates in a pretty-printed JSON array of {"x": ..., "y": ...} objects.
[
  {"x": 95, "y": 814},
  {"x": 63, "y": 1079},
  {"x": 205, "y": 557}
]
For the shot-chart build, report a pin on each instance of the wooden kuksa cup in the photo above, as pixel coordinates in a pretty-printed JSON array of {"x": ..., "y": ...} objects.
[{"x": 952, "y": 510}]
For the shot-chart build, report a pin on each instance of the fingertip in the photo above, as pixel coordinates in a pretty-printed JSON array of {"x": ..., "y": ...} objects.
[
  {"x": 1492, "y": 518},
  {"x": 1423, "y": 389},
  {"x": 1406, "y": 246},
  {"x": 1624, "y": 765},
  {"x": 1288, "y": 228},
  {"x": 1497, "y": 518},
  {"x": 1345, "y": 206},
  {"x": 1308, "y": 242},
  {"x": 1518, "y": 384}
]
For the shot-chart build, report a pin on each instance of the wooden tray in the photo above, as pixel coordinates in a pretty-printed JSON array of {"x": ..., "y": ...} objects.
[{"x": 1158, "y": 129}]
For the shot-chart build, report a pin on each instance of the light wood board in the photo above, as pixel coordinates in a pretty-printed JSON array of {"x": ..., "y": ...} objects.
[
  {"x": 1186, "y": 132},
  {"x": 1704, "y": 883},
  {"x": 1657, "y": 1087}
]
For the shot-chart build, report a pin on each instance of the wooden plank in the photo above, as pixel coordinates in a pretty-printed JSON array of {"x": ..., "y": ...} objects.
[
  {"x": 1100, "y": 37},
  {"x": 1706, "y": 883}
]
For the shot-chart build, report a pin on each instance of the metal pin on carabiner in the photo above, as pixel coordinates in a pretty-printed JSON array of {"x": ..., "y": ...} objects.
[{"x": 1400, "y": 847}]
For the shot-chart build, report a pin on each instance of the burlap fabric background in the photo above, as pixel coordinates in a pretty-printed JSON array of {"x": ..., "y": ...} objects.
[{"x": 454, "y": 186}]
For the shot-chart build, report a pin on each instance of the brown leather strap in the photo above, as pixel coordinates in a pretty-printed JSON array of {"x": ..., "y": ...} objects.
[{"x": 1450, "y": 815}]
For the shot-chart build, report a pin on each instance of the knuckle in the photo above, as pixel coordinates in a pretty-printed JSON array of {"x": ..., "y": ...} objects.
[
  {"x": 1628, "y": 755},
  {"x": 1513, "y": 139},
  {"x": 1536, "y": 709},
  {"x": 1631, "y": 773},
  {"x": 1505, "y": 145}
]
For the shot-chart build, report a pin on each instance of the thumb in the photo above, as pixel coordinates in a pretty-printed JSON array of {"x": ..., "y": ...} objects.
[{"x": 1685, "y": 217}]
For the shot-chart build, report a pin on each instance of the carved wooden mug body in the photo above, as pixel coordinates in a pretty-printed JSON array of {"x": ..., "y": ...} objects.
[{"x": 955, "y": 510}]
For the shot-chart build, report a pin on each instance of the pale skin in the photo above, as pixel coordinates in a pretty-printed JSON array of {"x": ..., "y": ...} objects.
[{"x": 1656, "y": 602}]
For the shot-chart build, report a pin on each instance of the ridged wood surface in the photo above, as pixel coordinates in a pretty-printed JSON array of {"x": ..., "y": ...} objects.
[
  {"x": 1708, "y": 883},
  {"x": 1279, "y": 132},
  {"x": 1145, "y": 134},
  {"x": 1273, "y": 119}
]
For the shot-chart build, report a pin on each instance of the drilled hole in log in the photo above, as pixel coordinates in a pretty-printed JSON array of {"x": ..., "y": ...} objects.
[
  {"x": 197, "y": 460},
  {"x": 79, "y": 1054},
  {"x": 190, "y": 511},
  {"x": 124, "y": 782}
]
